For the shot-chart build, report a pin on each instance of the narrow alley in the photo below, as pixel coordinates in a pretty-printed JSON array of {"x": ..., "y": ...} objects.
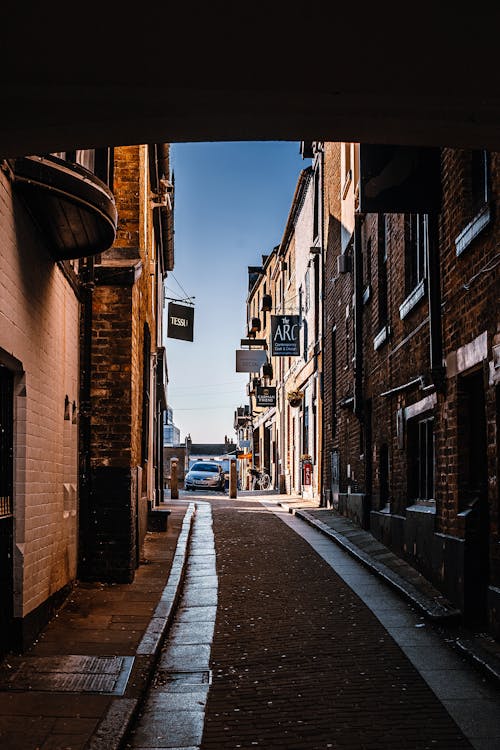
[{"x": 306, "y": 650}]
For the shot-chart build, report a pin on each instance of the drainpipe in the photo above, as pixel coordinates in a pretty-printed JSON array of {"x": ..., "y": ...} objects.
[
  {"x": 434, "y": 297},
  {"x": 319, "y": 391},
  {"x": 84, "y": 526},
  {"x": 358, "y": 319}
]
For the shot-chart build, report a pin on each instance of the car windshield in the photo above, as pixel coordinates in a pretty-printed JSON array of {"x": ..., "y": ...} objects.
[{"x": 205, "y": 467}]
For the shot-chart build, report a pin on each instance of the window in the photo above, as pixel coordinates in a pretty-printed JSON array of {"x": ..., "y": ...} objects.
[
  {"x": 347, "y": 342},
  {"x": 475, "y": 198},
  {"x": 307, "y": 285},
  {"x": 200, "y": 466},
  {"x": 416, "y": 248},
  {"x": 305, "y": 430},
  {"x": 317, "y": 198},
  {"x": 317, "y": 309},
  {"x": 478, "y": 181},
  {"x": 305, "y": 331},
  {"x": 421, "y": 459},
  {"x": 416, "y": 241},
  {"x": 367, "y": 264},
  {"x": 347, "y": 166},
  {"x": 382, "y": 277}
]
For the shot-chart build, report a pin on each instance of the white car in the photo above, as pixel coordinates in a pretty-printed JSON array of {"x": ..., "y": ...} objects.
[{"x": 205, "y": 475}]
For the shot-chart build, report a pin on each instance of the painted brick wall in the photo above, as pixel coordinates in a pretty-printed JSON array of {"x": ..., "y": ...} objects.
[{"x": 39, "y": 316}]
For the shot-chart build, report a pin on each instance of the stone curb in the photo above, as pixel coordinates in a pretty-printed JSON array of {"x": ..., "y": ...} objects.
[{"x": 114, "y": 725}]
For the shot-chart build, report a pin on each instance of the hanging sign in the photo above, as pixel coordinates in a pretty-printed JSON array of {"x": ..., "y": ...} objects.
[
  {"x": 250, "y": 360},
  {"x": 265, "y": 395},
  {"x": 285, "y": 336},
  {"x": 180, "y": 321}
]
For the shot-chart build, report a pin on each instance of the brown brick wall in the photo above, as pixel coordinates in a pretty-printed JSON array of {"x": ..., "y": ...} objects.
[
  {"x": 470, "y": 290},
  {"x": 338, "y": 314},
  {"x": 126, "y": 190},
  {"x": 111, "y": 376}
]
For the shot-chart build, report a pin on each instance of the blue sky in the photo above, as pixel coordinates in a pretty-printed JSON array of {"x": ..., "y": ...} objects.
[{"x": 231, "y": 206}]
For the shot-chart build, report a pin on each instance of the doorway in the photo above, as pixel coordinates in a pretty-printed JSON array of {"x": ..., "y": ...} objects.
[
  {"x": 473, "y": 496},
  {"x": 6, "y": 505}
]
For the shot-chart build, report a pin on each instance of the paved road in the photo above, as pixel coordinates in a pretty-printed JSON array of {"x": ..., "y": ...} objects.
[{"x": 299, "y": 660}]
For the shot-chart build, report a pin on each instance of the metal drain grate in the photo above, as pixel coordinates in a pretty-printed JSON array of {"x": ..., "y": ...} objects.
[
  {"x": 69, "y": 674},
  {"x": 203, "y": 677}
]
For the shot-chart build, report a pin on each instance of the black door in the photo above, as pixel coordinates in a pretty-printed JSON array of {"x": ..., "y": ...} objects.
[
  {"x": 473, "y": 486},
  {"x": 6, "y": 506}
]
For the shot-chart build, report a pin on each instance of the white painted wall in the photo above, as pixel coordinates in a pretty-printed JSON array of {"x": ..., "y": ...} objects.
[{"x": 39, "y": 327}]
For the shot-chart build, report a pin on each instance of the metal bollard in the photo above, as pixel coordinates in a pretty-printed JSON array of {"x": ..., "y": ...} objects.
[
  {"x": 174, "y": 486},
  {"x": 233, "y": 480}
]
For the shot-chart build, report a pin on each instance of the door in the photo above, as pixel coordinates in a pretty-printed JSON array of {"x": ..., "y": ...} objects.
[
  {"x": 6, "y": 506},
  {"x": 473, "y": 492}
]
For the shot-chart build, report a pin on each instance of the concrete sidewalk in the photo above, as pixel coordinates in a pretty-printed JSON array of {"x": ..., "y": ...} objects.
[
  {"x": 81, "y": 683},
  {"x": 480, "y": 648}
]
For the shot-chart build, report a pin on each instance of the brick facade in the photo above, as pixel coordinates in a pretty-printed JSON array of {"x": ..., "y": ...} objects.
[
  {"x": 125, "y": 321},
  {"x": 429, "y": 383}
]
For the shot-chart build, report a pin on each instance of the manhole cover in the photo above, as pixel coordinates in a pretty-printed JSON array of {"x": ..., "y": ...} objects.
[{"x": 69, "y": 674}]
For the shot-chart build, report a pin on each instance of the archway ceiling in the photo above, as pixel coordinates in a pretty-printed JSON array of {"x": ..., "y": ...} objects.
[{"x": 314, "y": 72}]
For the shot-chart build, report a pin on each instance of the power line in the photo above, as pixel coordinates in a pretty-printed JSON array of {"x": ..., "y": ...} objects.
[
  {"x": 204, "y": 385},
  {"x": 187, "y": 296},
  {"x": 204, "y": 408},
  {"x": 190, "y": 395}
]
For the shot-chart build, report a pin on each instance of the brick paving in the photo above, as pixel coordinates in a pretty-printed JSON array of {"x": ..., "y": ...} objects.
[
  {"x": 298, "y": 661},
  {"x": 97, "y": 620}
]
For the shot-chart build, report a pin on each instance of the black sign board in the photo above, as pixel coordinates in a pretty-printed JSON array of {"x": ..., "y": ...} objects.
[
  {"x": 285, "y": 336},
  {"x": 399, "y": 179},
  {"x": 265, "y": 395},
  {"x": 180, "y": 323}
]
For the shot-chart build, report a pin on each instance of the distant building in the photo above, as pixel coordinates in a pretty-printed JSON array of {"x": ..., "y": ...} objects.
[
  {"x": 171, "y": 433},
  {"x": 196, "y": 451}
]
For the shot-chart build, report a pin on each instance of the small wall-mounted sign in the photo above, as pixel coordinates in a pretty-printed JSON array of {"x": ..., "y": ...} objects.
[
  {"x": 180, "y": 322},
  {"x": 265, "y": 396},
  {"x": 250, "y": 360},
  {"x": 285, "y": 336}
]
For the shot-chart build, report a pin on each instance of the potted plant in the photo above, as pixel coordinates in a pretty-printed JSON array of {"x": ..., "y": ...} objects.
[{"x": 295, "y": 397}]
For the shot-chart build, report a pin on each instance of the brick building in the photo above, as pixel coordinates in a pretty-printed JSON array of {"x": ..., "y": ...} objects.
[
  {"x": 87, "y": 238},
  {"x": 122, "y": 436},
  {"x": 411, "y": 333},
  {"x": 53, "y": 211},
  {"x": 286, "y": 290}
]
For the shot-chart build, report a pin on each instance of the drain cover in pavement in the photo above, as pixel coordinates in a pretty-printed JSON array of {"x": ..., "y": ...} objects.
[
  {"x": 203, "y": 677},
  {"x": 69, "y": 674}
]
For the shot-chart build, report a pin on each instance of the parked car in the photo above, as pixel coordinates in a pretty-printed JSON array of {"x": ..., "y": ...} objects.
[{"x": 205, "y": 475}]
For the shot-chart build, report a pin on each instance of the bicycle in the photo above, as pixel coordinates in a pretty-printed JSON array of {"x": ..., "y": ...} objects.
[{"x": 260, "y": 479}]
